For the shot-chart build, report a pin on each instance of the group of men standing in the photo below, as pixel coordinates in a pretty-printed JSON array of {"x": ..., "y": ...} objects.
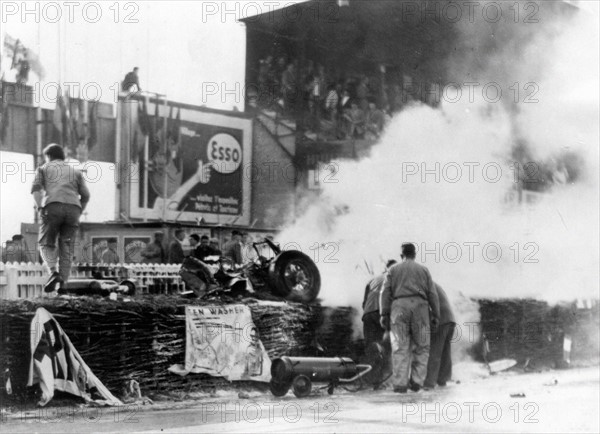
[
  {"x": 202, "y": 246},
  {"x": 406, "y": 310}
]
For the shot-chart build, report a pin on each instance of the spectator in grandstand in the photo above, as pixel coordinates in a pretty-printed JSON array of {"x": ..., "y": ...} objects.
[
  {"x": 355, "y": 121},
  {"x": 375, "y": 121},
  {"x": 331, "y": 102},
  {"x": 362, "y": 94},
  {"x": 289, "y": 87}
]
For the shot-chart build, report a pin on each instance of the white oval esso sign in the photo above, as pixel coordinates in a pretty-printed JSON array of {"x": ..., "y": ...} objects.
[{"x": 225, "y": 152}]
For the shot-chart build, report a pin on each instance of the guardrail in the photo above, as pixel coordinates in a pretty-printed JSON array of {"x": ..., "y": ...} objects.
[{"x": 27, "y": 280}]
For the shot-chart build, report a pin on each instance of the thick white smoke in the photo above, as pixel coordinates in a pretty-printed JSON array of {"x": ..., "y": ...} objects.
[{"x": 475, "y": 243}]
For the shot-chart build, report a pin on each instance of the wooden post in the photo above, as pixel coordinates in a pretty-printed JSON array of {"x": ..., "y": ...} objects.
[{"x": 88, "y": 330}]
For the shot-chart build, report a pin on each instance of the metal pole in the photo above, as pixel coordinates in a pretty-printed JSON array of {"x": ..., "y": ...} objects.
[
  {"x": 146, "y": 152},
  {"x": 166, "y": 146},
  {"x": 118, "y": 171}
]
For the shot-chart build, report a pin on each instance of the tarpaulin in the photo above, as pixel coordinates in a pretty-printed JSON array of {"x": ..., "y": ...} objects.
[
  {"x": 56, "y": 364},
  {"x": 223, "y": 341}
]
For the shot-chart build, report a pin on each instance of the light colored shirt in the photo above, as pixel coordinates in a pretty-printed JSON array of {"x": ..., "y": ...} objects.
[
  {"x": 233, "y": 250},
  {"x": 61, "y": 182},
  {"x": 409, "y": 279},
  {"x": 332, "y": 100},
  {"x": 109, "y": 257},
  {"x": 372, "y": 293}
]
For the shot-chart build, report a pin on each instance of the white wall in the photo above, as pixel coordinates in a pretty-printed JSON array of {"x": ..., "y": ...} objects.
[{"x": 17, "y": 172}]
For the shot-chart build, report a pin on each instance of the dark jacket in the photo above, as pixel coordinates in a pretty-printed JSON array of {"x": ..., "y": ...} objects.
[
  {"x": 201, "y": 252},
  {"x": 446, "y": 314},
  {"x": 130, "y": 79},
  {"x": 176, "y": 255}
]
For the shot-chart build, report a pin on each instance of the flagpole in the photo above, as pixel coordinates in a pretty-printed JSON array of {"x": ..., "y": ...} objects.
[
  {"x": 146, "y": 161},
  {"x": 165, "y": 172},
  {"x": 38, "y": 110}
]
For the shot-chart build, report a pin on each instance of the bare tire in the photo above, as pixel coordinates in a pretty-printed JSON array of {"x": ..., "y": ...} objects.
[
  {"x": 301, "y": 386},
  {"x": 295, "y": 277}
]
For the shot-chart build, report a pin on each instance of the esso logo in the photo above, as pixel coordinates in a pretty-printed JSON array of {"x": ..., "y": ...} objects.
[{"x": 225, "y": 152}]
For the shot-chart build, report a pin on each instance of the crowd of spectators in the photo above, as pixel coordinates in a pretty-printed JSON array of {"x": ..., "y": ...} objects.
[
  {"x": 337, "y": 105},
  {"x": 238, "y": 248},
  {"x": 16, "y": 250}
]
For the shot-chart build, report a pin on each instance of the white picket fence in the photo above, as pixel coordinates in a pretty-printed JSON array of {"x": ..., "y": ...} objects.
[
  {"x": 22, "y": 280},
  {"x": 27, "y": 280}
]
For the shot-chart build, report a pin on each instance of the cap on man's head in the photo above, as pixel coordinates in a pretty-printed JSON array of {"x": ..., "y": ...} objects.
[
  {"x": 195, "y": 237},
  {"x": 409, "y": 250},
  {"x": 204, "y": 237}
]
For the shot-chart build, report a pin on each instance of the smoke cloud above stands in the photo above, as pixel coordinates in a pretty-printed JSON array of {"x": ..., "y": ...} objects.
[{"x": 548, "y": 250}]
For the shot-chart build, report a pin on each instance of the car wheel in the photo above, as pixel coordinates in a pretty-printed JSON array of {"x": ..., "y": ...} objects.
[{"x": 295, "y": 276}]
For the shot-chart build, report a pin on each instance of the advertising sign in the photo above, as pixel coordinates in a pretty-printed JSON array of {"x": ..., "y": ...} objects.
[
  {"x": 133, "y": 246},
  {"x": 190, "y": 166},
  {"x": 99, "y": 245}
]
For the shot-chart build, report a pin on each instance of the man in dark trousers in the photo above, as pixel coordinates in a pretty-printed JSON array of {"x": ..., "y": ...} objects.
[
  {"x": 60, "y": 196},
  {"x": 372, "y": 330},
  {"x": 408, "y": 294},
  {"x": 439, "y": 367},
  {"x": 176, "y": 255}
]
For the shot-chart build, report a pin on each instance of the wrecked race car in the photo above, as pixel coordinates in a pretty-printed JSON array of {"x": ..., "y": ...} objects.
[{"x": 289, "y": 274}]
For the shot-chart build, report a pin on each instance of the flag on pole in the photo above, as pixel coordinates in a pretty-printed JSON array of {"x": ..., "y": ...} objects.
[
  {"x": 23, "y": 59},
  {"x": 56, "y": 364},
  {"x": 92, "y": 122},
  {"x": 58, "y": 121},
  {"x": 4, "y": 111},
  {"x": 174, "y": 140}
]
